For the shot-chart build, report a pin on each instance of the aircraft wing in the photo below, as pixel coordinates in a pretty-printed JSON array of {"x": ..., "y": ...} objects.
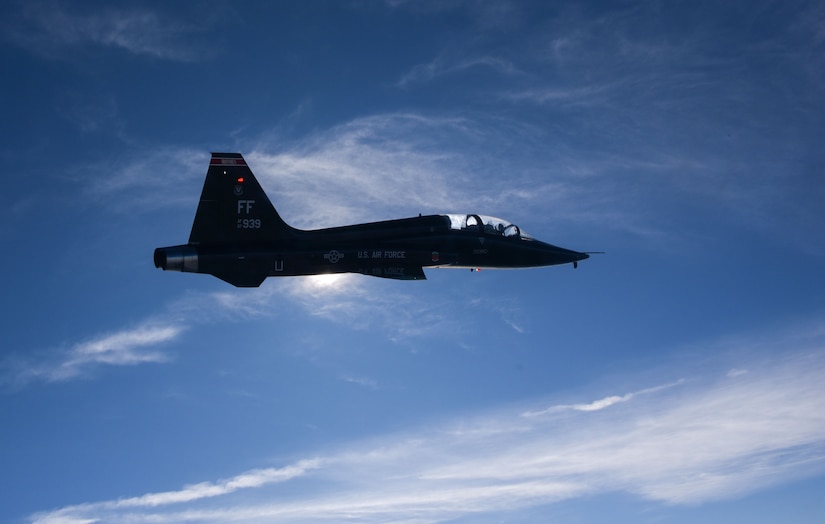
[{"x": 240, "y": 278}]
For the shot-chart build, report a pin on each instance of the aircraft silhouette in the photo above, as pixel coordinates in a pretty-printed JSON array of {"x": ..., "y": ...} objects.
[{"x": 238, "y": 237}]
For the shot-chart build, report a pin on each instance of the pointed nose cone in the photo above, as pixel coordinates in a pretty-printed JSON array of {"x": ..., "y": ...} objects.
[
  {"x": 571, "y": 256},
  {"x": 554, "y": 255},
  {"x": 580, "y": 256}
]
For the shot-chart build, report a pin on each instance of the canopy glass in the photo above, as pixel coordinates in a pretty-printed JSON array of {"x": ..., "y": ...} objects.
[{"x": 487, "y": 225}]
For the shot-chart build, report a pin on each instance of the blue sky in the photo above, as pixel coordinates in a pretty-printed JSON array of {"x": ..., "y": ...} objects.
[{"x": 678, "y": 378}]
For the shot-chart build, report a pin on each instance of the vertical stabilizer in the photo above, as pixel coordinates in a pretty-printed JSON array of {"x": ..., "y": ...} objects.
[{"x": 233, "y": 206}]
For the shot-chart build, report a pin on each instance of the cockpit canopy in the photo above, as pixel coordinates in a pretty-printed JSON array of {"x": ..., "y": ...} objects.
[{"x": 487, "y": 225}]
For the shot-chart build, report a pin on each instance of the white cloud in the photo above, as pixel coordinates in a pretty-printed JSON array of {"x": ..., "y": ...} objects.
[
  {"x": 250, "y": 479},
  {"x": 394, "y": 165},
  {"x": 601, "y": 403},
  {"x": 345, "y": 299},
  {"x": 139, "y": 345},
  {"x": 204, "y": 490},
  {"x": 713, "y": 437},
  {"x": 401, "y": 164},
  {"x": 364, "y": 170},
  {"x": 49, "y": 28},
  {"x": 592, "y": 95},
  {"x": 361, "y": 381},
  {"x": 442, "y": 65},
  {"x": 362, "y": 302},
  {"x": 150, "y": 179},
  {"x": 123, "y": 348}
]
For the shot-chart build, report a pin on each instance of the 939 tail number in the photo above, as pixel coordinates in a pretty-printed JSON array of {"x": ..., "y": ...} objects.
[{"x": 249, "y": 223}]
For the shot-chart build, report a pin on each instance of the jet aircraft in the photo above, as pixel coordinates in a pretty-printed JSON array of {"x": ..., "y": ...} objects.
[{"x": 238, "y": 237}]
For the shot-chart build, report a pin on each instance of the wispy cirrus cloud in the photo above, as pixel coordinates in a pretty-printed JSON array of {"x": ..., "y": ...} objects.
[
  {"x": 364, "y": 169},
  {"x": 369, "y": 168},
  {"x": 601, "y": 403},
  {"x": 396, "y": 164},
  {"x": 361, "y": 381},
  {"x": 134, "y": 346},
  {"x": 358, "y": 302},
  {"x": 715, "y": 436},
  {"x": 350, "y": 300},
  {"x": 52, "y": 29},
  {"x": 441, "y": 66},
  {"x": 205, "y": 490},
  {"x": 401, "y": 164},
  {"x": 141, "y": 178},
  {"x": 128, "y": 347},
  {"x": 656, "y": 111}
]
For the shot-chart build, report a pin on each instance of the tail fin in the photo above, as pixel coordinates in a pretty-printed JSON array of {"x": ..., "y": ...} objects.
[{"x": 233, "y": 206}]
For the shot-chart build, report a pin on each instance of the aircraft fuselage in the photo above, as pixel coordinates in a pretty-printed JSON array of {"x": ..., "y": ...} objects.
[{"x": 238, "y": 237}]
